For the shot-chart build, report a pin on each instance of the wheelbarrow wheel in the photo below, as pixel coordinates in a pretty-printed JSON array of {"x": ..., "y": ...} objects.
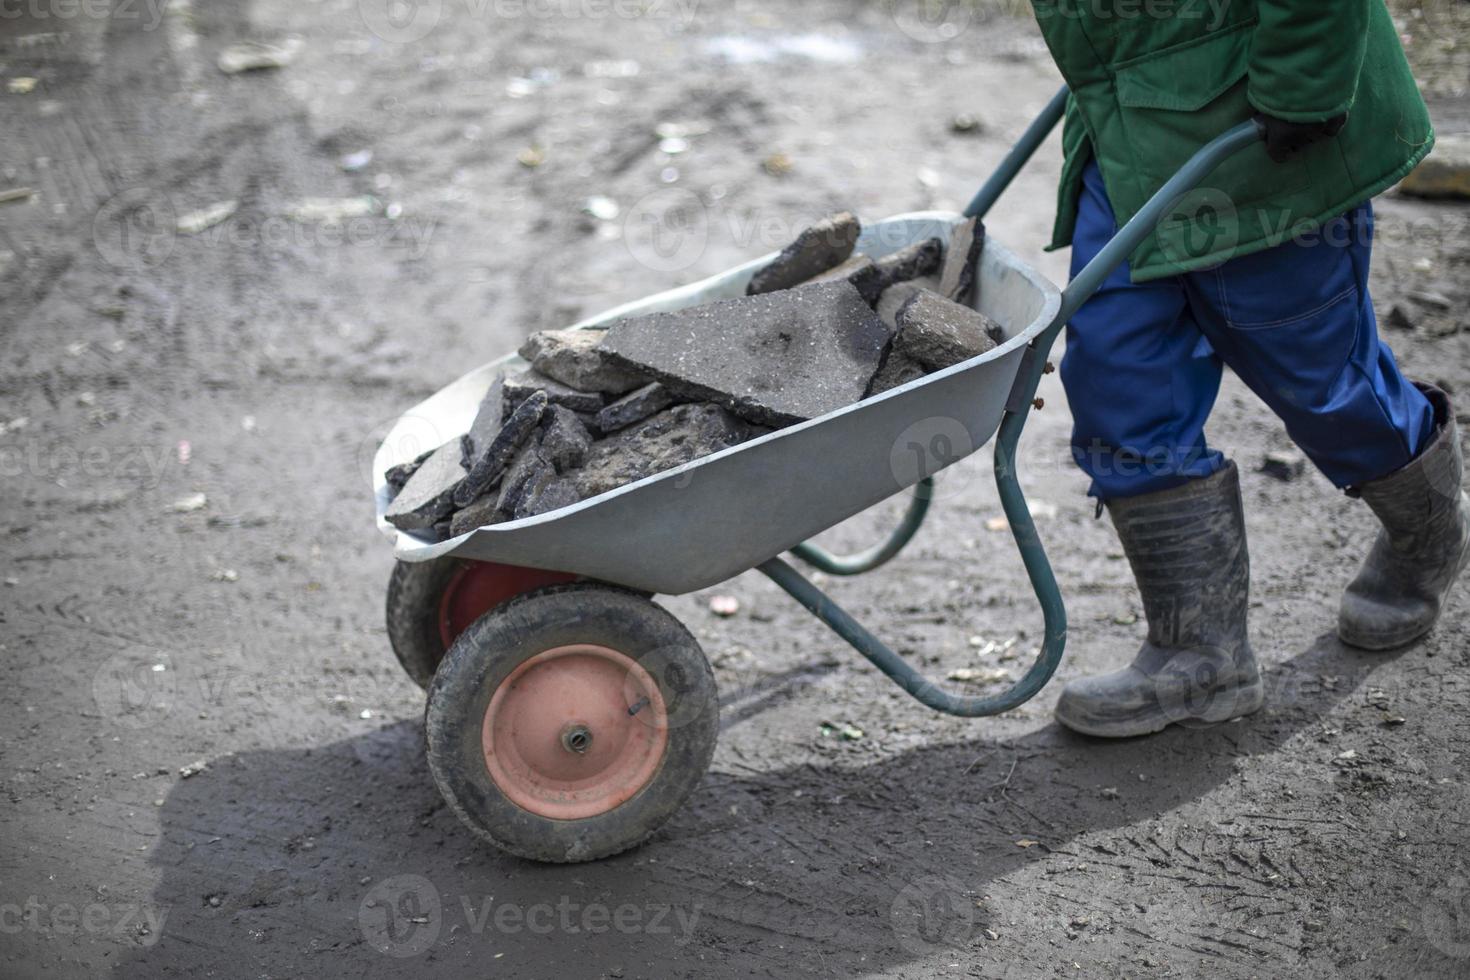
[
  {"x": 432, "y": 602},
  {"x": 570, "y": 723}
]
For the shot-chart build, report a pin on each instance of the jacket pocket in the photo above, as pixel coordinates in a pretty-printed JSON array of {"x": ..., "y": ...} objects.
[{"x": 1187, "y": 78}]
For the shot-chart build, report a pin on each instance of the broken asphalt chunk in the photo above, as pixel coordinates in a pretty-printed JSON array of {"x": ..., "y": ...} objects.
[
  {"x": 910, "y": 262},
  {"x": 634, "y": 407},
  {"x": 519, "y": 387},
  {"x": 491, "y": 464},
  {"x": 488, "y": 420},
  {"x": 825, "y": 245},
  {"x": 893, "y": 300},
  {"x": 428, "y": 496},
  {"x": 475, "y": 516},
  {"x": 668, "y": 439},
  {"x": 1284, "y": 465},
  {"x": 897, "y": 370},
  {"x": 533, "y": 490},
  {"x": 573, "y": 358},
  {"x": 957, "y": 279},
  {"x": 937, "y": 333},
  {"x": 564, "y": 440},
  {"x": 774, "y": 359},
  {"x": 527, "y": 463},
  {"x": 861, "y": 271},
  {"x": 397, "y": 477},
  {"x": 544, "y": 497}
]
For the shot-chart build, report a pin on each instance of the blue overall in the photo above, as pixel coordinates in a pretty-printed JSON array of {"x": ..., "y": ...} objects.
[{"x": 1294, "y": 322}]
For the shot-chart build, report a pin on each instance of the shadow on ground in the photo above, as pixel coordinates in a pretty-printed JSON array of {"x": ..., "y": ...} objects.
[{"x": 345, "y": 852}]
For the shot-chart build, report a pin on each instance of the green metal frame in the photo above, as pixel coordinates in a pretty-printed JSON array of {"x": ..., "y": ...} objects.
[{"x": 1012, "y": 499}]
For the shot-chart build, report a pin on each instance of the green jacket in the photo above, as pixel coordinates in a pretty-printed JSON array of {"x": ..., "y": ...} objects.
[{"x": 1154, "y": 80}]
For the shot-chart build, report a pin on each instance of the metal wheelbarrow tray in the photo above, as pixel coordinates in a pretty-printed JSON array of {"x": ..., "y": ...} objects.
[
  {"x": 568, "y": 715},
  {"x": 711, "y": 519}
]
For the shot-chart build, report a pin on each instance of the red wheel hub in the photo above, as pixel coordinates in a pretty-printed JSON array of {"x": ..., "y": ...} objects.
[
  {"x": 575, "y": 731},
  {"x": 479, "y": 586}
]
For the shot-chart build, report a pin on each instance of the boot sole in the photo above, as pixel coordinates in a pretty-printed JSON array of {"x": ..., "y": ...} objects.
[
  {"x": 1247, "y": 700},
  {"x": 1380, "y": 642}
]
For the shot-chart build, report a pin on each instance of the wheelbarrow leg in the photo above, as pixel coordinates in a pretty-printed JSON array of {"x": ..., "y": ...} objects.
[{"x": 926, "y": 691}]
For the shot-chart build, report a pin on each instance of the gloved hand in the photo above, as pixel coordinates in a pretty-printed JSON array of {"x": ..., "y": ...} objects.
[{"x": 1286, "y": 138}]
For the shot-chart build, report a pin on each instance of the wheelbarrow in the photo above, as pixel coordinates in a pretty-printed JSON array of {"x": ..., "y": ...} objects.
[{"x": 569, "y": 715}]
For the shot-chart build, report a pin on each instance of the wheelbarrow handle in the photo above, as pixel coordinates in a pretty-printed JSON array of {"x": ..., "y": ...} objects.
[{"x": 1013, "y": 499}]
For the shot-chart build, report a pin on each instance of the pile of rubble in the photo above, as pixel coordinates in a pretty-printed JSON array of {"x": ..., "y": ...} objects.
[{"x": 819, "y": 328}]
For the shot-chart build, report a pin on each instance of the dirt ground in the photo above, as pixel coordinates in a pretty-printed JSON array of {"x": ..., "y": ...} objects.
[{"x": 212, "y": 765}]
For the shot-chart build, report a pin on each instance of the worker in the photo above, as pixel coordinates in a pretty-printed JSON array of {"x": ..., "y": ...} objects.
[{"x": 1264, "y": 269}]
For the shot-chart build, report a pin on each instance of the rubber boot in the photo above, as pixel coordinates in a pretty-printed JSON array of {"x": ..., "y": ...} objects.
[
  {"x": 1188, "y": 552},
  {"x": 1423, "y": 545}
]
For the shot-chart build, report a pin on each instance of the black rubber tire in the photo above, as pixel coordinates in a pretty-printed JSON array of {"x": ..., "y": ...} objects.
[
  {"x": 414, "y": 593},
  {"x": 499, "y": 641}
]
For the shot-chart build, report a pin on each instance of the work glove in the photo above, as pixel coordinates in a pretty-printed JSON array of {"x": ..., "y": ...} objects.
[{"x": 1286, "y": 138}]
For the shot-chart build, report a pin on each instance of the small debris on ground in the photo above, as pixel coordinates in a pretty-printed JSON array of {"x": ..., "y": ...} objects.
[
  {"x": 724, "y": 605},
  {"x": 197, "y": 221},
  {"x": 980, "y": 675},
  {"x": 353, "y": 162},
  {"x": 844, "y": 731},
  {"x": 778, "y": 165},
  {"x": 185, "y": 505},
  {"x": 1399, "y": 318},
  {"x": 330, "y": 210},
  {"x": 966, "y": 124},
  {"x": 258, "y": 55},
  {"x": 1445, "y": 173},
  {"x": 602, "y": 208},
  {"x": 1284, "y": 465}
]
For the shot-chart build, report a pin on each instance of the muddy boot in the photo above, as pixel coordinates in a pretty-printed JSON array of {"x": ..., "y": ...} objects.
[
  {"x": 1424, "y": 543},
  {"x": 1187, "y": 549}
]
